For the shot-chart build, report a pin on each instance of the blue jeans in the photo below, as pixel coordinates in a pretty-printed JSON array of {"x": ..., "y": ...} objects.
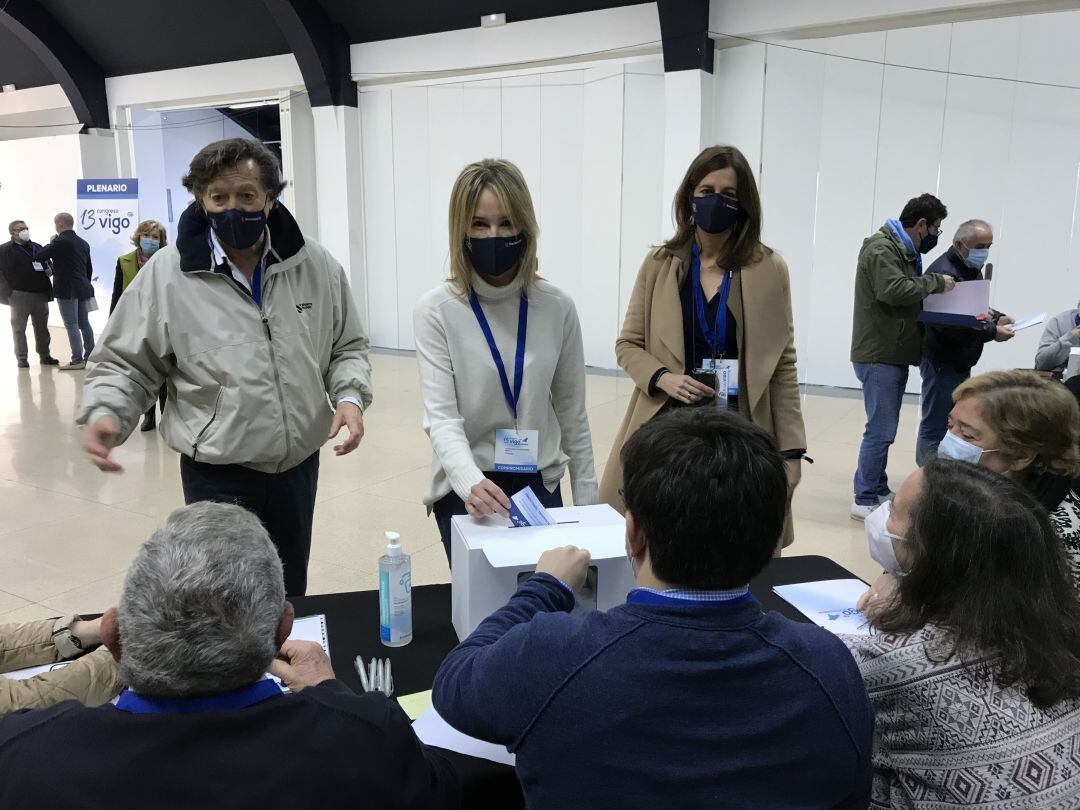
[
  {"x": 938, "y": 383},
  {"x": 883, "y": 393},
  {"x": 77, "y": 322}
]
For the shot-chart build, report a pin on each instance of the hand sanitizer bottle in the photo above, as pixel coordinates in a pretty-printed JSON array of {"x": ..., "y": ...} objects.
[{"x": 395, "y": 594}]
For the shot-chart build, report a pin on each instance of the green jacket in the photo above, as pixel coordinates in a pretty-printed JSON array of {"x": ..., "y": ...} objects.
[{"x": 888, "y": 299}]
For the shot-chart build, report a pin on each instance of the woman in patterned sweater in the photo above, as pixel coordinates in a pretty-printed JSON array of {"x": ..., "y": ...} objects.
[{"x": 973, "y": 668}]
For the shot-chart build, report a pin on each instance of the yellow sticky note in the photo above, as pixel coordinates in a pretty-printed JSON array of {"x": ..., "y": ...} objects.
[{"x": 415, "y": 704}]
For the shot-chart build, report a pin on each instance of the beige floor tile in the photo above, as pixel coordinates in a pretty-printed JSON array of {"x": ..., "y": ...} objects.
[
  {"x": 9, "y": 601},
  {"x": 29, "y": 612},
  {"x": 93, "y": 597}
]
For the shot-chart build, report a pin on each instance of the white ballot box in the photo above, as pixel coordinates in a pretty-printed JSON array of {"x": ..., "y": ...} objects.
[{"x": 488, "y": 558}]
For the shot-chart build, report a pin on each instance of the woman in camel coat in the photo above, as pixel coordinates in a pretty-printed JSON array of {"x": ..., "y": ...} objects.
[{"x": 718, "y": 214}]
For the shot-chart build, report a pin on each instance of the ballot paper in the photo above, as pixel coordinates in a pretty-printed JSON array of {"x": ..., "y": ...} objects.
[
  {"x": 526, "y": 510},
  {"x": 309, "y": 628},
  {"x": 433, "y": 730},
  {"x": 30, "y": 672},
  {"x": 415, "y": 704},
  {"x": 966, "y": 298},
  {"x": 829, "y": 604},
  {"x": 1033, "y": 320}
]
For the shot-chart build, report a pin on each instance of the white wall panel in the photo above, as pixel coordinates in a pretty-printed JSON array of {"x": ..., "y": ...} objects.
[
  {"x": 739, "y": 79},
  {"x": 416, "y": 270},
  {"x": 986, "y": 48},
  {"x": 1048, "y": 48},
  {"x": 521, "y": 128},
  {"x": 481, "y": 120},
  {"x": 562, "y": 98},
  {"x": 822, "y": 292},
  {"x": 1040, "y": 211},
  {"x": 909, "y": 139},
  {"x": 448, "y": 154},
  {"x": 379, "y": 195},
  {"x": 600, "y": 225},
  {"x": 643, "y": 178},
  {"x": 794, "y": 90}
]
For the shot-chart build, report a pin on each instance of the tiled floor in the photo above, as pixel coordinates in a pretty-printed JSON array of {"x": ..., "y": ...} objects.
[{"x": 68, "y": 531}]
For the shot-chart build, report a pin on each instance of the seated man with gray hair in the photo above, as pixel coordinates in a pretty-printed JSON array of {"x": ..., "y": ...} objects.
[{"x": 202, "y": 616}]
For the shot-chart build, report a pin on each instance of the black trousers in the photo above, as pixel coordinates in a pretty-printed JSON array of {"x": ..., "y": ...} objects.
[
  {"x": 284, "y": 502},
  {"x": 510, "y": 483}
]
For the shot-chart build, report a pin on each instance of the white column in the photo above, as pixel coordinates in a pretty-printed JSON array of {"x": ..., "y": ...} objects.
[
  {"x": 338, "y": 194},
  {"x": 124, "y": 138},
  {"x": 298, "y": 160},
  {"x": 688, "y": 99}
]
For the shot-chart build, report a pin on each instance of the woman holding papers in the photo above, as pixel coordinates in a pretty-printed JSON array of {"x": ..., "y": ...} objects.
[
  {"x": 974, "y": 668},
  {"x": 711, "y": 309},
  {"x": 502, "y": 369}
]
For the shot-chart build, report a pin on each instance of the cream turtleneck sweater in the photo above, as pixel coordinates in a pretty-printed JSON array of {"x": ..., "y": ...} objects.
[{"x": 463, "y": 398}]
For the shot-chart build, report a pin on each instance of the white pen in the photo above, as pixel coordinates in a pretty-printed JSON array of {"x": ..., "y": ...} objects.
[
  {"x": 388, "y": 684},
  {"x": 359, "y": 664}
]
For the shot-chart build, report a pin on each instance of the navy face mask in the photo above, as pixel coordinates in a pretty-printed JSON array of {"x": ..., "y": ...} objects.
[
  {"x": 715, "y": 213},
  {"x": 236, "y": 227},
  {"x": 493, "y": 256},
  {"x": 928, "y": 242}
]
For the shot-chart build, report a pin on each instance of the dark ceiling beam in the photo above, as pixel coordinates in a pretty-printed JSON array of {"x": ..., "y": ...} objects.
[
  {"x": 81, "y": 78},
  {"x": 321, "y": 49},
  {"x": 684, "y": 28}
]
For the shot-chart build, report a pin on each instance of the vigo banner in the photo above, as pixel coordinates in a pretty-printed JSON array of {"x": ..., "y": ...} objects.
[{"x": 108, "y": 212}]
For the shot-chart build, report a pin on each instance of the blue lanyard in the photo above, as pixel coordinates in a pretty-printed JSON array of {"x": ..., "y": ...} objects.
[
  {"x": 512, "y": 396},
  {"x": 32, "y": 252},
  {"x": 715, "y": 336},
  {"x": 237, "y": 699}
]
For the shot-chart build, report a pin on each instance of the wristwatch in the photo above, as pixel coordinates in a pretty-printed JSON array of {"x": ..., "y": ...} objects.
[{"x": 67, "y": 644}]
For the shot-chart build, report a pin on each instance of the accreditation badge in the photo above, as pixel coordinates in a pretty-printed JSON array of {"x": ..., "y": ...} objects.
[{"x": 517, "y": 451}]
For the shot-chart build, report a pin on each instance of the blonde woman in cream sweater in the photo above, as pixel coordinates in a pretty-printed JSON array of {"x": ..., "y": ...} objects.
[{"x": 502, "y": 369}]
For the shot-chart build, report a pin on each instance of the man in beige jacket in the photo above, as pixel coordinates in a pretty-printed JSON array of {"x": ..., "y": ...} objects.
[
  {"x": 253, "y": 329},
  {"x": 92, "y": 679}
]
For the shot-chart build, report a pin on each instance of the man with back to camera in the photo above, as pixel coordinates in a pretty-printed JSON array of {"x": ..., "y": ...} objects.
[
  {"x": 950, "y": 352},
  {"x": 886, "y": 337},
  {"x": 25, "y": 287},
  {"x": 253, "y": 329},
  {"x": 687, "y": 695},
  {"x": 1060, "y": 335},
  {"x": 201, "y": 617},
  {"x": 73, "y": 289}
]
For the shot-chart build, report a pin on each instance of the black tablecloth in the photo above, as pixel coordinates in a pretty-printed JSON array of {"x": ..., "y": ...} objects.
[{"x": 352, "y": 626}]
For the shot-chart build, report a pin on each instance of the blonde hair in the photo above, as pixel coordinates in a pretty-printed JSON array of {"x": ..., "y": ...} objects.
[
  {"x": 1029, "y": 414},
  {"x": 150, "y": 227},
  {"x": 508, "y": 184}
]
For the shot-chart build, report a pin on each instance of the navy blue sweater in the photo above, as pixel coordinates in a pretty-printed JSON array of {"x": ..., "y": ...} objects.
[{"x": 643, "y": 706}]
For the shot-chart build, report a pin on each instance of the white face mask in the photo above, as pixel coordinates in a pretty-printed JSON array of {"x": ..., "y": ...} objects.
[
  {"x": 879, "y": 540},
  {"x": 957, "y": 449},
  {"x": 24, "y": 235}
]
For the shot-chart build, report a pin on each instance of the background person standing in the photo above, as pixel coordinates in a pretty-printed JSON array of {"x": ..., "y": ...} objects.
[
  {"x": 950, "y": 352},
  {"x": 28, "y": 292},
  {"x": 72, "y": 287},
  {"x": 885, "y": 334},
  {"x": 149, "y": 237},
  {"x": 254, "y": 330}
]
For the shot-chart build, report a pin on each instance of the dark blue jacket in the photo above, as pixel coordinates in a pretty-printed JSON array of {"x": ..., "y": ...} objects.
[
  {"x": 72, "y": 268},
  {"x": 957, "y": 347},
  {"x": 17, "y": 267},
  {"x": 648, "y": 706},
  {"x": 324, "y": 747}
]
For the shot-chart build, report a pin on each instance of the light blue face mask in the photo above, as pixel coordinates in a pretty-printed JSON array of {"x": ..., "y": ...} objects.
[
  {"x": 955, "y": 448},
  {"x": 149, "y": 245},
  {"x": 977, "y": 257}
]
